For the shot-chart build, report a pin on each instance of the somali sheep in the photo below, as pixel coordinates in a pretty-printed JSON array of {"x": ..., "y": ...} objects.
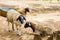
[
  {"x": 23, "y": 11},
  {"x": 15, "y": 17},
  {"x": 42, "y": 27}
]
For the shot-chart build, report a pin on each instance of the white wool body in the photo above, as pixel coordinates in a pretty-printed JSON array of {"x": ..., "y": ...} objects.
[
  {"x": 12, "y": 15},
  {"x": 41, "y": 26}
]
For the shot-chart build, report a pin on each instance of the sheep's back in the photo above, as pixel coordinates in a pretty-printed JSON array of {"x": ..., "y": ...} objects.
[
  {"x": 41, "y": 26},
  {"x": 12, "y": 15},
  {"x": 48, "y": 28}
]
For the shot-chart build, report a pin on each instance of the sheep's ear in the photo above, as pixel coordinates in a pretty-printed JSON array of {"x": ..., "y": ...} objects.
[
  {"x": 27, "y": 9},
  {"x": 17, "y": 18}
]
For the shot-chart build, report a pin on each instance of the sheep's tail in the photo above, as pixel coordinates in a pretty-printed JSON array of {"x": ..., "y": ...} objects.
[{"x": 3, "y": 13}]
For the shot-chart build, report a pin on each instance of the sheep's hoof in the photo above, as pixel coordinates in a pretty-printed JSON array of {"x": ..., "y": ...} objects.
[
  {"x": 9, "y": 31},
  {"x": 18, "y": 35}
]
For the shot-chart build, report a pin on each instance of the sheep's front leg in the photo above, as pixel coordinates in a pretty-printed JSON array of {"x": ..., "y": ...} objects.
[
  {"x": 9, "y": 27},
  {"x": 13, "y": 26},
  {"x": 18, "y": 30}
]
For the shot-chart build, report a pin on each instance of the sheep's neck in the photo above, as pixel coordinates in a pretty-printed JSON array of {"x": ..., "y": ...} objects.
[
  {"x": 33, "y": 27},
  {"x": 23, "y": 12}
]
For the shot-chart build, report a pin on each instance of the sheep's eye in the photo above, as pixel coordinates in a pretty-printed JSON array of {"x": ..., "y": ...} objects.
[{"x": 29, "y": 24}]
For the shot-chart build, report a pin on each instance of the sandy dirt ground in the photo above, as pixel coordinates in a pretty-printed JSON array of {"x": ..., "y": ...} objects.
[
  {"x": 38, "y": 14},
  {"x": 51, "y": 18}
]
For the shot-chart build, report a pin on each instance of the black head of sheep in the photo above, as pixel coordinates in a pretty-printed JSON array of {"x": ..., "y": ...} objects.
[
  {"x": 21, "y": 18},
  {"x": 27, "y": 10},
  {"x": 29, "y": 24}
]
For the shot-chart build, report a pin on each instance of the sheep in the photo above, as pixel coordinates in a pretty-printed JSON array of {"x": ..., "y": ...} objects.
[
  {"x": 22, "y": 11},
  {"x": 42, "y": 27},
  {"x": 16, "y": 18}
]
